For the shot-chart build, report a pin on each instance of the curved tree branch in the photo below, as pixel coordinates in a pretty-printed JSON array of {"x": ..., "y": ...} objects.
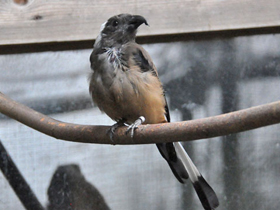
[{"x": 225, "y": 124}]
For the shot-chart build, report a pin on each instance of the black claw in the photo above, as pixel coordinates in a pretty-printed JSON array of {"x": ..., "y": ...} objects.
[
  {"x": 111, "y": 135},
  {"x": 111, "y": 131}
]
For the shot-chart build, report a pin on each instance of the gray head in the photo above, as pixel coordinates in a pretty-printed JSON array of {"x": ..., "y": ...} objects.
[{"x": 119, "y": 30}]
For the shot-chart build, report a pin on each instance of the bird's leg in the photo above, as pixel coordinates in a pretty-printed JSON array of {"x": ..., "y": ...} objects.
[
  {"x": 135, "y": 125},
  {"x": 111, "y": 131}
]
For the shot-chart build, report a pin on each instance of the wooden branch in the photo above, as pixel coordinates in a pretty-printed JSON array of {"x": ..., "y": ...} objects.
[
  {"x": 40, "y": 21},
  {"x": 225, "y": 124}
]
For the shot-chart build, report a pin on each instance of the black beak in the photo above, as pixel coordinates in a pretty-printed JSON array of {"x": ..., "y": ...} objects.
[{"x": 136, "y": 21}]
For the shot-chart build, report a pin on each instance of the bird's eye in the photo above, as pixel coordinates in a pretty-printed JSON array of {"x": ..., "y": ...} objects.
[{"x": 115, "y": 23}]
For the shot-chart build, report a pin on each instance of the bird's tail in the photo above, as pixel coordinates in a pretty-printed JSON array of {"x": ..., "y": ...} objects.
[
  {"x": 183, "y": 167},
  {"x": 167, "y": 150}
]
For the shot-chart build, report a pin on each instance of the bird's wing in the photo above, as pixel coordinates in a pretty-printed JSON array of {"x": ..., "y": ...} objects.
[
  {"x": 142, "y": 59},
  {"x": 144, "y": 63}
]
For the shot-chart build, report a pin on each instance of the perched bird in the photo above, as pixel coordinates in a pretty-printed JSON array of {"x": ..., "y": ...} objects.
[{"x": 125, "y": 85}]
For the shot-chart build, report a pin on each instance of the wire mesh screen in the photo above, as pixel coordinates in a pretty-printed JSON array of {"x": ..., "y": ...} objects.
[{"x": 202, "y": 78}]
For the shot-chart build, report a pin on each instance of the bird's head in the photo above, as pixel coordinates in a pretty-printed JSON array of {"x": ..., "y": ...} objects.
[{"x": 119, "y": 30}]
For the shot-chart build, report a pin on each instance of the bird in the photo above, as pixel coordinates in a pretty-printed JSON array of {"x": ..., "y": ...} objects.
[{"x": 124, "y": 83}]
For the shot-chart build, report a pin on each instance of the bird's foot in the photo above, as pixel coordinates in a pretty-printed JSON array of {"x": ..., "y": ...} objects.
[
  {"x": 111, "y": 131},
  {"x": 135, "y": 125}
]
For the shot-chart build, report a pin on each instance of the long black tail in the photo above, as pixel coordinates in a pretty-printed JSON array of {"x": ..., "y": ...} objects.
[
  {"x": 183, "y": 167},
  {"x": 168, "y": 152}
]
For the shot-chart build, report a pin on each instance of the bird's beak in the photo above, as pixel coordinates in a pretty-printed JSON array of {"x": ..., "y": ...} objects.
[{"x": 136, "y": 21}]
